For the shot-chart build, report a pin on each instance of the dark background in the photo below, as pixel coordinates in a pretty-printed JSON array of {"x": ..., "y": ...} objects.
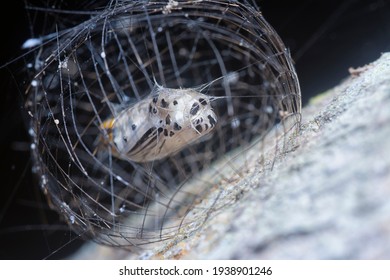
[{"x": 325, "y": 39}]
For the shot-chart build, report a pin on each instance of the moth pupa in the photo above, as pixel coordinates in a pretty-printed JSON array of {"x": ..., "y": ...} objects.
[{"x": 160, "y": 125}]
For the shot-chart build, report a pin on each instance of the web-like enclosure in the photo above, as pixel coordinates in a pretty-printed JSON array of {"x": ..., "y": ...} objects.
[{"x": 96, "y": 62}]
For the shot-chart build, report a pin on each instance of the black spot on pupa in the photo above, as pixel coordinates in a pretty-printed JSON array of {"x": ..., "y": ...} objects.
[
  {"x": 162, "y": 145},
  {"x": 174, "y": 102},
  {"x": 150, "y": 108},
  {"x": 206, "y": 126},
  {"x": 125, "y": 139},
  {"x": 171, "y": 133},
  {"x": 133, "y": 127},
  {"x": 176, "y": 126},
  {"x": 159, "y": 130},
  {"x": 155, "y": 99},
  {"x": 154, "y": 111},
  {"x": 203, "y": 101},
  {"x": 168, "y": 120},
  {"x": 194, "y": 109},
  {"x": 164, "y": 104},
  {"x": 199, "y": 128},
  {"x": 165, "y": 132},
  {"x": 146, "y": 138},
  {"x": 212, "y": 120}
]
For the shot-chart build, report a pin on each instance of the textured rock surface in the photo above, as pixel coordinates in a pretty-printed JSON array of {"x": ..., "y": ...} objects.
[{"x": 328, "y": 198}]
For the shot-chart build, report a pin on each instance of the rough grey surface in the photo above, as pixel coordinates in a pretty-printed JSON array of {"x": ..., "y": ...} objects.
[{"x": 328, "y": 198}]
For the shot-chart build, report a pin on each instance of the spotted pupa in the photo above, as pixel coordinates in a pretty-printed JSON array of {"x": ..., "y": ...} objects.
[{"x": 160, "y": 125}]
